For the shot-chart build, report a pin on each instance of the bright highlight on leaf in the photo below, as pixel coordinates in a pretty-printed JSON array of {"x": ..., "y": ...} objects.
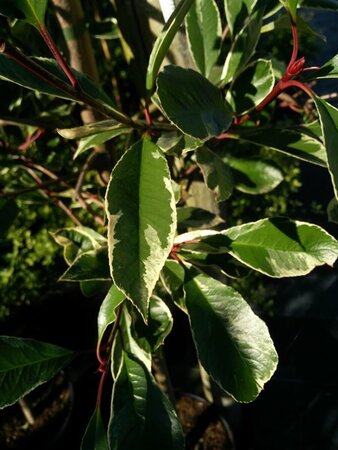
[
  {"x": 233, "y": 344},
  {"x": 281, "y": 247},
  {"x": 141, "y": 213},
  {"x": 31, "y": 11}
]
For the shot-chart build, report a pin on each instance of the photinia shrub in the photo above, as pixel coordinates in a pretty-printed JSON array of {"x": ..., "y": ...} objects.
[{"x": 146, "y": 247}]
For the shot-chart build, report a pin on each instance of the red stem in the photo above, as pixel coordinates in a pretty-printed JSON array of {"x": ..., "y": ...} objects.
[
  {"x": 57, "y": 55},
  {"x": 294, "y": 40}
]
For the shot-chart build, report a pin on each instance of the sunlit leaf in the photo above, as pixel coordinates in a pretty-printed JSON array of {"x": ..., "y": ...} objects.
[{"x": 233, "y": 344}]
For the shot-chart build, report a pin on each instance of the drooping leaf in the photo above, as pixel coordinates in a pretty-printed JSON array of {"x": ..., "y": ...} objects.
[
  {"x": 195, "y": 106},
  {"x": 95, "y": 437},
  {"x": 251, "y": 86},
  {"x": 216, "y": 172},
  {"x": 77, "y": 240},
  {"x": 298, "y": 142},
  {"x": 243, "y": 47},
  {"x": 13, "y": 72},
  {"x": 142, "y": 417},
  {"x": 107, "y": 312},
  {"x": 31, "y": 11},
  {"x": 163, "y": 42},
  {"x": 255, "y": 176},
  {"x": 328, "y": 116},
  {"x": 191, "y": 217},
  {"x": 91, "y": 265},
  {"x": 237, "y": 12},
  {"x": 204, "y": 30},
  {"x": 141, "y": 221},
  {"x": 233, "y": 344},
  {"x": 281, "y": 247},
  {"x": 27, "y": 363},
  {"x": 97, "y": 139}
]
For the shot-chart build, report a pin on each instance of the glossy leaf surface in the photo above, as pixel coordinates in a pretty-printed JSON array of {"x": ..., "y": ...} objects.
[
  {"x": 141, "y": 417},
  {"x": 281, "y": 247},
  {"x": 233, "y": 344},
  {"x": 164, "y": 40},
  {"x": 204, "y": 30},
  {"x": 107, "y": 312},
  {"x": 237, "y": 12},
  {"x": 27, "y": 363},
  {"x": 195, "y": 106},
  {"x": 142, "y": 221},
  {"x": 91, "y": 265}
]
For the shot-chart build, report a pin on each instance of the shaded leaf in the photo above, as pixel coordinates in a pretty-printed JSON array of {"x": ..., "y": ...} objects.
[
  {"x": 251, "y": 86},
  {"x": 25, "y": 364},
  {"x": 216, "y": 173},
  {"x": 141, "y": 417},
  {"x": 328, "y": 70},
  {"x": 328, "y": 116},
  {"x": 233, "y": 344},
  {"x": 332, "y": 210},
  {"x": 291, "y": 6},
  {"x": 11, "y": 71},
  {"x": 255, "y": 176},
  {"x": 172, "y": 277},
  {"x": 195, "y": 106},
  {"x": 31, "y": 11},
  {"x": 204, "y": 30},
  {"x": 142, "y": 221},
  {"x": 163, "y": 42},
  {"x": 298, "y": 142},
  {"x": 91, "y": 265},
  {"x": 189, "y": 216},
  {"x": 95, "y": 437},
  {"x": 281, "y": 247}
]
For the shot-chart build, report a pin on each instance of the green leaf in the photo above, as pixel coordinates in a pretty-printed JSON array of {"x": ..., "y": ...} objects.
[
  {"x": 90, "y": 129},
  {"x": 95, "y": 437},
  {"x": 323, "y": 4},
  {"x": 107, "y": 312},
  {"x": 31, "y": 11},
  {"x": 141, "y": 221},
  {"x": 100, "y": 138},
  {"x": 77, "y": 240},
  {"x": 91, "y": 265},
  {"x": 281, "y": 247},
  {"x": 163, "y": 42},
  {"x": 233, "y": 344},
  {"x": 237, "y": 12},
  {"x": 204, "y": 31},
  {"x": 172, "y": 277},
  {"x": 94, "y": 288},
  {"x": 216, "y": 173},
  {"x": 25, "y": 364},
  {"x": 189, "y": 216},
  {"x": 195, "y": 106},
  {"x": 328, "y": 116},
  {"x": 300, "y": 142},
  {"x": 8, "y": 213},
  {"x": 151, "y": 336},
  {"x": 291, "y": 6},
  {"x": 255, "y": 176},
  {"x": 142, "y": 417},
  {"x": 13, "y": 72},
  {"x": 251, "y": 86},
  {"x": 328, "y": 70},
  {"x": 243, "y": 47}
]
